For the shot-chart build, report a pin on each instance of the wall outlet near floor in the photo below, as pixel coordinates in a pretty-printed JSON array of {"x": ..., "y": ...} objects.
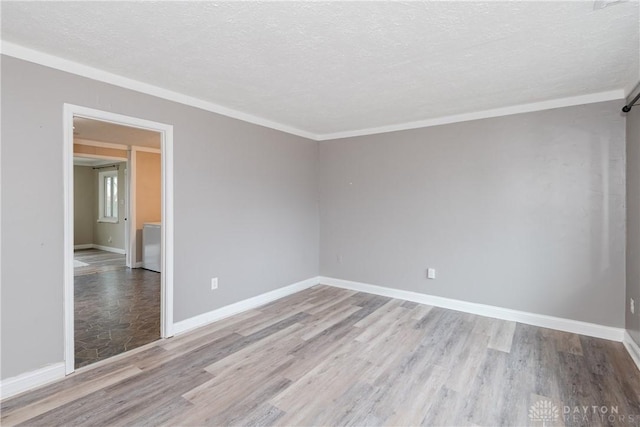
[
  {"x": 632, "y": 306},
  {"x": 110, "y": 239},
  {"x": 339, "y": 259},
  {"x": 431, "y": 273},
  {"x": 214, "y": 283}
]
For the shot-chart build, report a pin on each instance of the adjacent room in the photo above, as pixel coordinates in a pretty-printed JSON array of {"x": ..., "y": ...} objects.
[
  {"x": 320, "y": 213},
  {"x": 117, "y": 268}
]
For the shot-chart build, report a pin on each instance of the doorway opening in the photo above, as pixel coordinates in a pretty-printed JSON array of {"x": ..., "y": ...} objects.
[{"x": 118, "y": 234}]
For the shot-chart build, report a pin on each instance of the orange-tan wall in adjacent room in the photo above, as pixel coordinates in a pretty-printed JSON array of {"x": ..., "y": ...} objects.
[
  {"x": 148, "y": 193},
  {"x": 101, "y": 151}
]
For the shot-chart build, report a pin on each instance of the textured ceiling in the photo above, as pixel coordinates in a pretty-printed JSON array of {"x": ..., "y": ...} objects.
[{"x": 327, "y": 67}]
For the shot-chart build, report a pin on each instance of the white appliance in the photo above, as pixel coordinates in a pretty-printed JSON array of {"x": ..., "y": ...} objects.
[{"x": 151, "y": 237}]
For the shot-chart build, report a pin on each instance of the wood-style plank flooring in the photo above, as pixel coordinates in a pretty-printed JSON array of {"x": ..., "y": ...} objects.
[{"x": 327, "y": 356}]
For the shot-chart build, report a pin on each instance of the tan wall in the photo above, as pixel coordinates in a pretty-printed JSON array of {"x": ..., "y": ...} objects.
[
  {"x": 106, "y": 233},
  {"x": 148, "y": 193},
  {"x": 84, "y": 200},
  {"x": 88, "y": 149}
]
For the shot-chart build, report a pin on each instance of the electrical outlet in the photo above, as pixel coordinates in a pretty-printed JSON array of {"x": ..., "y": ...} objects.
[
  {"x": 214, "y": 283},
  {"x": 339, "y": 259},
  {"x": 431, "y": 273},
  {"x": 632, "y": 306},
  {"x": 110, "y": 239}
]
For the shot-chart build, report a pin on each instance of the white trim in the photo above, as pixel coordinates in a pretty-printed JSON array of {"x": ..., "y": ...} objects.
[
  {"x": 612, "y": 95},
  {"x": 100, "y": 156},
  {"x": 166, "y": 132},
  {"x": 133, "y": 237},
  {"x": 497, "y": 112},
  {"x": 110, "y": 249},
  {"x": 138, "y": 265},
  {"x": 101, "y": 247},
  {"x": 541, "y": 320},
  {"x": 100, "y": 144},
  {"x": 67, "y": 161},
  {"x": 632, "y": 347},
  {"x": 30, "y": 380},
  {"x": 108, "y": 220},
  {"x": 166, "y": 238},
  {"x": 240, "y": 306},
  {"x": 126, "y": 217},
  {"x": 30, "y": 55}
]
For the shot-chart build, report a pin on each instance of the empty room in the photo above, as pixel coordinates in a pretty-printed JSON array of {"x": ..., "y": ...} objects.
[{"x": 364, "y": 213}]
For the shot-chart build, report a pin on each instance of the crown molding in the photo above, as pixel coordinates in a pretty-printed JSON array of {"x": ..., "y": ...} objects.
[
  {"x": 612, "y": 95},
  {"x": 51, "y": 61}
]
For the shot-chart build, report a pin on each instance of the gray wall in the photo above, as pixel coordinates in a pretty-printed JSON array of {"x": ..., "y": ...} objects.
[
  {"x": 84, "y": 204},
  {"x": 633, "y": 222},
  {"x": 110, "y": 234},
  {"x": 245, "y": 206},
  {"x": 87, "y": 229},
  {"x": 523, "y": 211}
]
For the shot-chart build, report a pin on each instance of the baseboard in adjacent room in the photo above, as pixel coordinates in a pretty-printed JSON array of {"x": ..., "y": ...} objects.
[
  {"x": 240, "y": 306},
  {"x": 85, "y": 246},
  {"x": 29, "y": 380},
  {"x": 633, "y": 348},
  {"x": 101, "y": 247},
  {"x": 110, "y": 249},
  {"x": 541, "y": 320}
]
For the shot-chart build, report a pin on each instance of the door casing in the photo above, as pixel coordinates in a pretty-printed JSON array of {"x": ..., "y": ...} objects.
[{"x": 166, "y": 132}]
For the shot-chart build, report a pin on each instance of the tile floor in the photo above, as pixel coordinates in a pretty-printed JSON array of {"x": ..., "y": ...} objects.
[{"x": 116, "y": 308}]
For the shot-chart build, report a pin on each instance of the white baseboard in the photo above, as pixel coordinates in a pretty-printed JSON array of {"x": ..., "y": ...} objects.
[
  {"x": 102, "y": 248},
  {"x": 632, "y": 347},
  {"x": 110, "y": 249},
  {"x": 29, "y": 380},
  {"x": 561, "y": 324},
  {"x": 138, "y": 265},
  {"x": 240, "y": 306}
]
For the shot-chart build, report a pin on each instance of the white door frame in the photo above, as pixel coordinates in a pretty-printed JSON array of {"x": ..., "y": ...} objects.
[
  {"x": 127, "y": 212},
  {"x": 166, "y": 132}
]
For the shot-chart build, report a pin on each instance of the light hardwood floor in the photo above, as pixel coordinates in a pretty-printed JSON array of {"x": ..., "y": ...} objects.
[{"x": 327, "y": 356}]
